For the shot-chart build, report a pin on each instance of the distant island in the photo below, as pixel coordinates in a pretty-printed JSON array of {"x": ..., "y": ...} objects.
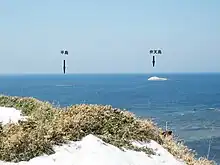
[{"x": 154, "y": 78}]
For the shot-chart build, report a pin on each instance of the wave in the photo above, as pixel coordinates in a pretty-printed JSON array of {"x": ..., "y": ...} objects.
[
  {"x": 64, "y": 85},
  {"x": 214, "y": 109}
]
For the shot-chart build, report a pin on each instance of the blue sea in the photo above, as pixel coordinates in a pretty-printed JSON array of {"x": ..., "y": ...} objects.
[{"x": 189, "y": 103}]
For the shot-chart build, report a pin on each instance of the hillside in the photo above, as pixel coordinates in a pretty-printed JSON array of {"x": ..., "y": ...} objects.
[{"x": 47, "y": 126}]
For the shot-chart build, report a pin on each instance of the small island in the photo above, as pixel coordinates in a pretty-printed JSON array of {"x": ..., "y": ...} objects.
[{"x": 154, "y": 78}]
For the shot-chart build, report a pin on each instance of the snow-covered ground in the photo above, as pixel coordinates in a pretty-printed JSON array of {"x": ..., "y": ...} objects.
[
  {"x": 92, "y": 150},
  {"x": 154, "y": 78},
  {"x": 10, "y": 115}
]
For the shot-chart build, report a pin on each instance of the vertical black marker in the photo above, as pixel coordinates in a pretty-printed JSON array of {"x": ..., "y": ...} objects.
[
  {"x": 64, "y": 66},
  {"x": 153, "y": 61}
]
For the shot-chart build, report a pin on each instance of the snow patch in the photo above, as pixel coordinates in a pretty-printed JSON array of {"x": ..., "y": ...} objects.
[
  {"x": 154, "y": 78},
  {"x": 93, "y": 151},
  {"x": 10, "y": 115}
]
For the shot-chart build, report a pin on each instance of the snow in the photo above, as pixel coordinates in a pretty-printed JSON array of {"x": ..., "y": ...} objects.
[
  {"x": 154, "y": 78},
  {"x": 8, "y": 115},
  {"x": 92, "y": 150}
]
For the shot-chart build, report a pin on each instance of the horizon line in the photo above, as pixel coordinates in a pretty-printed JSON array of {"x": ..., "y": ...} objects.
[{"x": 108, "y": 73}]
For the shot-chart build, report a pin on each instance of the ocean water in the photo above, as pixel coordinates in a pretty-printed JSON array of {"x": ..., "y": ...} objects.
[{"x": 189, "y": 103}]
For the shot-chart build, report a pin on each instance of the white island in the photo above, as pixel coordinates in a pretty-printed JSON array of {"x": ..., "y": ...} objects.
[{"x": 154, "y": 78}]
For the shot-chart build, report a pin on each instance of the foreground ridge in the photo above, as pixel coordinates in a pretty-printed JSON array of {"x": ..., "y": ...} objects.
[{"x": 44, "y": 129}]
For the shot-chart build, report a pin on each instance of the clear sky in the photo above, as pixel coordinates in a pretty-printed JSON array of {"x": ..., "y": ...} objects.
[{"x": 112, "y": 36}]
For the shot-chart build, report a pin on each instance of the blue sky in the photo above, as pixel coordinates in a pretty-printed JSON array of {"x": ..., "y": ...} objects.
[{"x": 109, "y": 36}]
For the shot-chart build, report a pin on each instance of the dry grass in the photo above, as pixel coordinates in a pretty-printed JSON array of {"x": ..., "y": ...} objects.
[{"x": 48, "y": 125}]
